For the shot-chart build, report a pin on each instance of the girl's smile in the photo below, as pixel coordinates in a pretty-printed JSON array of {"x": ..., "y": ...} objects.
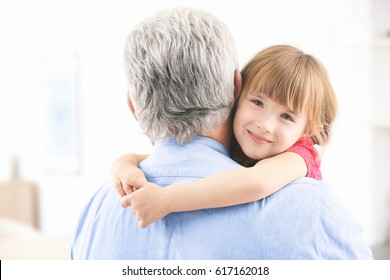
[{"x": 258, "y": 138}]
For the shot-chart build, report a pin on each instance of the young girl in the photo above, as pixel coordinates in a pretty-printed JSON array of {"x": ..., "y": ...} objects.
[{"x": 287, "y": 106}]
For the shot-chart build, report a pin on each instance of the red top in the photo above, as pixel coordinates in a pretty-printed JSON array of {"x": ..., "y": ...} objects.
[{"x": 305, "y": 148}]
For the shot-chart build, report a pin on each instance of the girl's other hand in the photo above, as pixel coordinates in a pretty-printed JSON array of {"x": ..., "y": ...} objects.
[{"x": 126, "y": 176}]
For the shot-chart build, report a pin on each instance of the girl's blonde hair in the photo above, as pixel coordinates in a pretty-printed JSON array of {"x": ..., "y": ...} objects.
[{"x": 297, "y": 80}]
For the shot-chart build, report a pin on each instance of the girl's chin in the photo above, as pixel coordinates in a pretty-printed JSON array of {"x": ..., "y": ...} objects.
[{"x": 255, "y": 156}]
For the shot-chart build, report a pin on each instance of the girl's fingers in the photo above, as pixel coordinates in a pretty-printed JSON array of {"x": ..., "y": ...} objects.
[
  {"x": 135, "y": 181},
  {"x": 128, "y": 189},
  {"x": 126, "y": 201},
  {"x": 118, "y": 186}
]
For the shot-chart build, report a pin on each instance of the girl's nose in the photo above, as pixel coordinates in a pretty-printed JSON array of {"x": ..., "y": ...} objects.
[{"x": 266, "y": 124}]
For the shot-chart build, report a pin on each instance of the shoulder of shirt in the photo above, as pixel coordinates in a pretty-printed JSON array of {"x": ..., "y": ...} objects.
[
  {"x": 320, "y": 188},
  {"x": 105, "y": 191},
  {"x": 332, "y": 217}
]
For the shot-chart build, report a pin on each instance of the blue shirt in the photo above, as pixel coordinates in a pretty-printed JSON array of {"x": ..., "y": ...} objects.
[{"x": 303, "y": 220}]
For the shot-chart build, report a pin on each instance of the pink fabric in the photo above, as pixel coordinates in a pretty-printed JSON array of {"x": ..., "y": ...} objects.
[{"x": 305, "y": 148}]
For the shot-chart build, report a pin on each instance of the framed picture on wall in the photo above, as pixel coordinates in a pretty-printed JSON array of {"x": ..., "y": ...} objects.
[{"x": 61, "y": 115}]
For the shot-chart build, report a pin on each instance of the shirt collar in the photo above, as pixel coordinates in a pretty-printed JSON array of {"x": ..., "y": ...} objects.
[{"x": 197, "y": 141}]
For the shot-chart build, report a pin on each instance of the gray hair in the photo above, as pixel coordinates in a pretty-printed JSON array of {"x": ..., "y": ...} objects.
[{"x": 180, "y": 67}]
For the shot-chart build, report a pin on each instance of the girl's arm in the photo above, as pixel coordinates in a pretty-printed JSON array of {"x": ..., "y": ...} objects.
[
  {"x": 233, "y": 187},
  {"x": 126, "y": 176},
  {"x": 238, "y": 186}
]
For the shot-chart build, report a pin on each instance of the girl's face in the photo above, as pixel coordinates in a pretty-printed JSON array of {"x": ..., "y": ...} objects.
[{"x": 264, "y": 128}]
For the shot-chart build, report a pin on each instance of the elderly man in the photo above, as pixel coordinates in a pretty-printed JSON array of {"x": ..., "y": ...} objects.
[{"x": 183, "y": 81}]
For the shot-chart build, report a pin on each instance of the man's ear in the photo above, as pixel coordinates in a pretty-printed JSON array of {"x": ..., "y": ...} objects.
[
  {"x": 130, "y": 104},
  {"x": 237, "y": 84}
]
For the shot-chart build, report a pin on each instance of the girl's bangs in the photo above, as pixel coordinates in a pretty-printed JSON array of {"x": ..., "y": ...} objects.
[{"x": 291, "y": 91}]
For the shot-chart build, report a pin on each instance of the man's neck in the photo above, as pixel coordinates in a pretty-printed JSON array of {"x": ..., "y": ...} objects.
[{"x": 222, "y": 134}]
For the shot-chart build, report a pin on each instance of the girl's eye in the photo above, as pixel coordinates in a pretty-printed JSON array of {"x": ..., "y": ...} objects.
[
  {"x": 287, "y": 117},
  {"x": 257, "y": 102}
]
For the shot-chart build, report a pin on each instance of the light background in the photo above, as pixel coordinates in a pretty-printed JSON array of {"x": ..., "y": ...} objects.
[{"x": 339, "y": 33}]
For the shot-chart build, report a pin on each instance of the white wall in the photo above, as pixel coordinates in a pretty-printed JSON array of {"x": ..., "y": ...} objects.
[{"x": 334, "y": 31}]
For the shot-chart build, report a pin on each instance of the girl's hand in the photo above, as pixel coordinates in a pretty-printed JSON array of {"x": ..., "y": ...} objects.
[
  {"x": 126, "y": 176},
  {"x": 148, "y": 203}
]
